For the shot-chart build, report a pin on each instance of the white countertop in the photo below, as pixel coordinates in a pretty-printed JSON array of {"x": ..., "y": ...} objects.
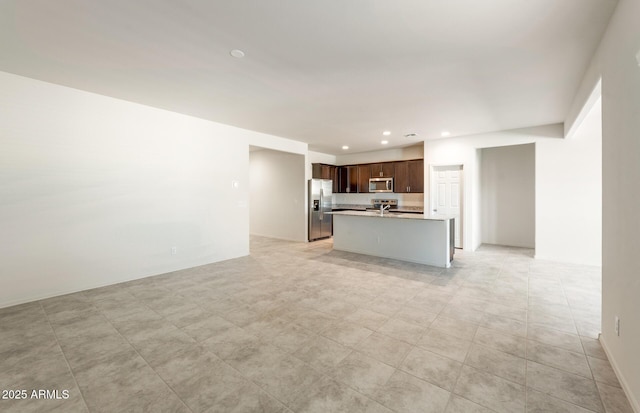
[{"x": 398, "y": 215}]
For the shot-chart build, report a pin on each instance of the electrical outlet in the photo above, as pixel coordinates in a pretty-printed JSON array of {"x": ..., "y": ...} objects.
[
  {"x": 617, "y": 325},
  {"x": 174, "y": 250}
]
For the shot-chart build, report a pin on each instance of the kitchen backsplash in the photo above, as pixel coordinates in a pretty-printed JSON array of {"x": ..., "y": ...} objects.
[{"x": 413, "y": 200}]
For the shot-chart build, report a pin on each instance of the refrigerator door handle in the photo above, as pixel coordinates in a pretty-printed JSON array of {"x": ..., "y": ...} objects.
[{"x": 321, "y": 206}]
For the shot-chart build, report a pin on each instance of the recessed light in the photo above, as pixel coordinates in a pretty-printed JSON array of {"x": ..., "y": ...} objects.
[
  {"x": 445, "y": 133},
  {"x": 384, "y": 142},
  {"x": 345, "y": 147},
  {"x": 237, "y": 53},
  {"x": 386, "y": 133}
]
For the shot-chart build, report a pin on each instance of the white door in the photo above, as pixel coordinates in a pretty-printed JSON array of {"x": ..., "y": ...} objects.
[{"x": 447, "y": 195}]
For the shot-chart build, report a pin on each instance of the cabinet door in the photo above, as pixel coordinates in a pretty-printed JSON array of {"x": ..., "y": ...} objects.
[
  {"x": 326, "y": 171},
  {"x": 342, "y": 179},
  {"x": 352, "y": 176},
  {"x": 401, "y": 177},
  {"x": 316, "y": 171},
  {"x": 363, "y": 178},
  {"x": 416, "y": 176},
  {"x": 387, "y": 169},
  {"x": 382, "y": 170},
  {"x": 335, "y": 179},
  {"x": 376, "y": 170}
]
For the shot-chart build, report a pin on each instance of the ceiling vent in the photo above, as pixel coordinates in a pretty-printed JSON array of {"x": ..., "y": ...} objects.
[{"x": 411, "y": 135}]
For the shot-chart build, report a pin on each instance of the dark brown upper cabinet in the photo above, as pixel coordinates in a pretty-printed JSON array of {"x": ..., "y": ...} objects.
[
  {"x": 352, "y": 179},
  {"x": 382, "y": 170},
  {"x": 341, "y": 179},
  {"x": 416, "y": 176},
  {"x": 409, "y": 176},
  {"x": 322, "y": 171},
  {"x": 347, "y": 179},
  {"x": 364, "y": 173}
]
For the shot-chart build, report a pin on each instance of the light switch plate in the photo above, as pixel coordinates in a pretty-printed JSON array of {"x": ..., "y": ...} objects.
[{"x": 638, "y": 57}]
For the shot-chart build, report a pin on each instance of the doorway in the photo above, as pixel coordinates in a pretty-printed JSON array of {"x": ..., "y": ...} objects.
[
  {"x": 446, "y": 195},
  {"x": 277, "y": 194}
]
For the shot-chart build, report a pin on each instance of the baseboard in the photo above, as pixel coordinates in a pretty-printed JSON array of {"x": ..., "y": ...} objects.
[
  {"x": 561, "y": 260},
  {"x": 635, "y": 405},
  {"x": 280, "y": 238},
  {"x": 76, "y": 288}
]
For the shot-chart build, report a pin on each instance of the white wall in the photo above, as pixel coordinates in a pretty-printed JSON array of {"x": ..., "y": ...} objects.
[
  {"x": 475, "y": 202},
  {"x": 398, "y": 154},
  {"x": 276, "y": 143},
  {"x": 507, "y": 179},
  {"x": 463, "y": 151},
  {"x": 96, "y": 190},
  {"x": 615, "y": 61},
  {"x": 277, "y": 192},
  {"x": 572, "y": 174}
]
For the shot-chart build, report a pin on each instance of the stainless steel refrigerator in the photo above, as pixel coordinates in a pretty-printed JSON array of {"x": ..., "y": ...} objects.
[{"x": 320, "y": 223}]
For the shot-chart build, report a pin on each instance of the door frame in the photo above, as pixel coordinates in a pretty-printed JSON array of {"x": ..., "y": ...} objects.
[{"x": 432, "y": 194}]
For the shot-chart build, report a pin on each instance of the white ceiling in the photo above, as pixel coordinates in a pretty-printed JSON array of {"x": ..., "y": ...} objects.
[{"x": 329, "y": 72}]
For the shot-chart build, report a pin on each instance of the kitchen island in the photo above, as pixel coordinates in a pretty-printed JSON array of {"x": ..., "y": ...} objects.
[{"x": 424, "y": 239}]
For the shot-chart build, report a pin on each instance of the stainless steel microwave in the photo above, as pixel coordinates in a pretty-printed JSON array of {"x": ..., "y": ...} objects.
[{"x": 381, "y": 185}]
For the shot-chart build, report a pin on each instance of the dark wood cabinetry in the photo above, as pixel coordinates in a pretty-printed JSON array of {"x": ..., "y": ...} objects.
[
  {"x": 352, "y": 179},
  {"x": 347, "y": 179},
  {"x": 316, "y": 170},
  {"x": 322, "y": 171},
  {"x": 364, "y": 173},
  {"x": 382, "y": 170},
  {"x": 342, "y": 178},
  {"x": 416, "y": 176},
  {"x": 409, "y": 176},
  {"x": 401, "y": 177}
]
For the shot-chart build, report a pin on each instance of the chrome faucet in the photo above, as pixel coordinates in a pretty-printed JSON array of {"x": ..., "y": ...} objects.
[{"x": 383, "y": 208}]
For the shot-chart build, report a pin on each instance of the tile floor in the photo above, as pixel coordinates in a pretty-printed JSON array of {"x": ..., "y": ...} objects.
[{"x": 297, "y": 327}]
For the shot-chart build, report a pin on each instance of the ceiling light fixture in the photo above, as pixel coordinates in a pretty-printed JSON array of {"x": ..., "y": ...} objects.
[
  {"x": 445, "y": 133},
  {"x": 384, "y": 142},
  {"x": 345, "y": 147},
  {"x": 237, "y": 53},
  {"x": 386, "y": 133}
]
